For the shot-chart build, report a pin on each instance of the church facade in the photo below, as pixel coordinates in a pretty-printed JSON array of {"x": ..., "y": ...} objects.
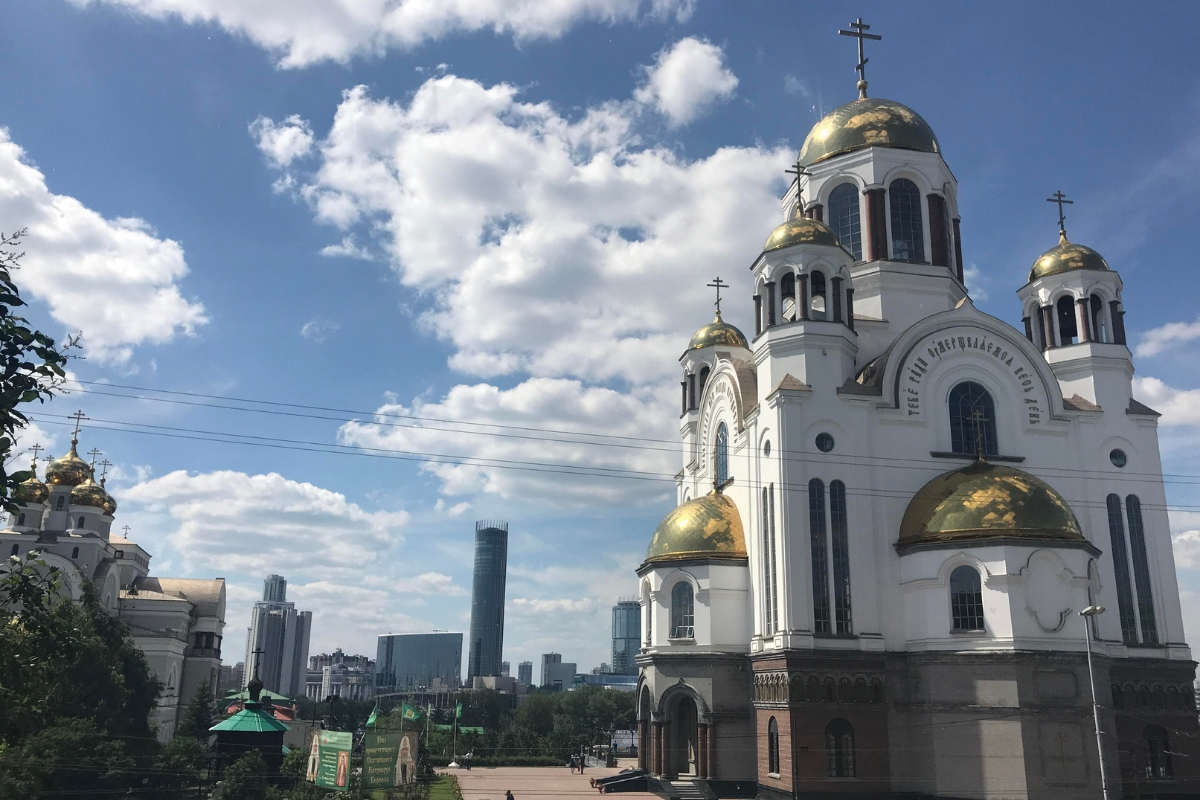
[
  {"x": 178, "y": 623},
  {"x": 893, "y": 508}
]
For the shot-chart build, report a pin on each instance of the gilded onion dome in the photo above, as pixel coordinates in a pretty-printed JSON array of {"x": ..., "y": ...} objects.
[
  {"x": 868, "y": 122},
  {"x": 719, "y": 333},
  {"x": 89, "y": 493},
  {"x": 31, "y": 490},
  {"x": 707, "y": 527},
  {"x": 1065, "y": 257},
  {"x": 985, "y": 502},
  {"x": 70, "y": 470},
  {"x": 110, "y": 503},
  {"x": 801, "y": 230}
]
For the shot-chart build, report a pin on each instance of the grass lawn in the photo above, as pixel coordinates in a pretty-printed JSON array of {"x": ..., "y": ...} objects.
[{"x": 443, "y": 789}]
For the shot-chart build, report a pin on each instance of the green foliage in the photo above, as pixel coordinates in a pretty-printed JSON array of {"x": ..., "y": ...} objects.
[
  {"x": 32, "y": 368},
  {"x": 293, "y": 784},
  {"x": 245, "y": 779},
  {"x": 199, "y": 716}
]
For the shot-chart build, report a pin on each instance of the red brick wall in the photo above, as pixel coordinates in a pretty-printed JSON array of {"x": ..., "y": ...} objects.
[
  {"x": 763, "y": 719},
  {"x": 870, "y": 746}
]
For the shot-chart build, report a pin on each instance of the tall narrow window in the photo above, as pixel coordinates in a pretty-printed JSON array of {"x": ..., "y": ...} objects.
[
  {"x": 1120, "y": 557},
  {"x": 816, "y": 287},
  {"x": 1068, "y": 328},
  {"x": 773, "y": 747},
  {"x": 683, "y": 611},
  {"x": 721, "y": 455},
  {"x": 841, "y": 557},
  {"x": 787, "y": 297},
  {"x": 972, "y": 420},
  {"x": 704, "y": 372},
  {"x": 649, "y": 614},
  {"x": 966, "y": 599},
  {"x": 844, "y": 218},
  {"x": 839, "y": 749},
  {"x": 1158, "y": 754},
  {"x": 774, "y": 566},
  {"x": 908, "y": 235},
  {"x": 62, "y": 499},
  {"x": 820, "y": 558},
  {"x": 21, "y": 520},
  {"x": 1141, "y": 570},
  {"x": 771, "y": 615},
  {"x": 1096, "y": 306}
]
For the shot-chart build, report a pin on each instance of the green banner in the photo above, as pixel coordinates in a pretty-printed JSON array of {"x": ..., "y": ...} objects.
[
  {"x": 458, "y": 711},
  {"x": 333, "y": 760},
  {"x": 408, "y": 713},
  {"x": 388, "y": 759}
]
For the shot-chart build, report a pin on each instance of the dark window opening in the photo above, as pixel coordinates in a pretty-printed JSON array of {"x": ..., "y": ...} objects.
[
  {"x": 773, "y": 747},
  {"x": 1120, "y": 557},
  {"x": 844, "y": 218},
  {"x": 1096, "y": 306},
  {"x": 1141, "y": 570},
  {"x": 721, "y": 456},
  {"x": 816, "y": 287},
  {"x": 972, "y": 420},
  {"x": 824, "y": 442},
  {"x": 841, "y": 557},
  {"x": 704, "y": 373},
  {"x": 80, "y": 523},
  {"x": 787, "y": 296},
  {"x": 683, "y": 611},
  {"x": 1158, "y": 754},
  {"x": 820, "y": 558},
  {"x": 21, "y": 520},
  {"x": 839, "y": 749},
  {"x": 908, "y": 235},
  {"x": 966, "y": 599},
  {"x": 1068, "y": 330},
  {"x": 74, "y": 552},
  {"x": 16, "y": 549},
  {"x": 61, "y": 500}
]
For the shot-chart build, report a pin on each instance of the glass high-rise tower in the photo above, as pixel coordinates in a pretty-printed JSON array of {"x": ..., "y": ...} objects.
[
  {"x": 487, "y": 599},
  {"x": 626, "y": 636}
]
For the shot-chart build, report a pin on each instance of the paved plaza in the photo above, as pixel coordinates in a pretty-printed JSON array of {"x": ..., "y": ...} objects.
[{"x": 490, "y": 783}]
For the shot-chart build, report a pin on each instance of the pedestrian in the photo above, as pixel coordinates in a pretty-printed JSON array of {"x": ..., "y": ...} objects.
[
  {"x": 571, "y": 764},
  {"x": 508, "y": 795},
  {"x": 581, "y": 763},
  {"x": 468, "y": 757}
]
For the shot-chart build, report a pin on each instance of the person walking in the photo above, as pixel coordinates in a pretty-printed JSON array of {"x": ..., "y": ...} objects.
[{"x": 508, "y": 795}]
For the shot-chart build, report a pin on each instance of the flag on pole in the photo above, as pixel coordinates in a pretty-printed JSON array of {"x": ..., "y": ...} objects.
[
  {"x": 408, "y": 713},
  {"x": 374, "y": 718},
  {"x": 458, "y": 711}
]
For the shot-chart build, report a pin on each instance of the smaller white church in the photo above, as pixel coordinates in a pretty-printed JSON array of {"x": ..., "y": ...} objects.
[
  {"x": 892, "y": 508},
  {"x": 177, "y": 622}
]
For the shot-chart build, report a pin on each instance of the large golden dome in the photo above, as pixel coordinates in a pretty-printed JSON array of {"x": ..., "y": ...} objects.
[
  {"x": 1065, "y": 257},
  {"x": 987, "y": 502},
  {"x": 31, "y": 490},
  {"x": 801, "y": 230},
  {"x": 707, "y": 527},
  {"x": 70, "y": 470},
  {"x": 719, "y": 333},
  {"x": 89, "y": 493},
  {"x": 868, "y": 122},
  {"x": 110, "y": 503}
]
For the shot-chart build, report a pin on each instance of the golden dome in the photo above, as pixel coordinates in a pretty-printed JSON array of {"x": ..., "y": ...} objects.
[
  {"x": 110, "y": 503},
  {"x": 89, "y": 493},
  {"x": 707, "y": 527},
  {"x": 868, "y": 122},
  {"x": 986, "y": 502},
  {"x": 70, "y": 470},
  {"x": 31, "y": 490},
  {"x": 801, "y": 230},
  {"x": 1066, "y": 256},
  {"x": 719, "y": 333}
]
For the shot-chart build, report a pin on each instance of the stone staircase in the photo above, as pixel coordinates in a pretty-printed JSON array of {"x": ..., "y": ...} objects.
[{"x": 688, "y": 790}]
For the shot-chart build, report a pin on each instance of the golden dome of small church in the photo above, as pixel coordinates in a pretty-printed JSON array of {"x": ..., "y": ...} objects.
[{"x": 892, "y": 509}]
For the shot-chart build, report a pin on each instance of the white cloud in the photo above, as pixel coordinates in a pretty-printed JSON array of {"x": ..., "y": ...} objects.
[
  {"x": 229, "y": 520},
  {"x": 284, "y": 142},
  {"x": 347, "y": 248},
  {"x": 1177, "y": 406},
  {"x": 553, "y": 606},
  {"x": 1187, "y": 549},
  {"x": 973, "y": 276},
  {"x": 794, "y": 85},
  {"x": 303, "y": 32},
  {"x": 318, "y": 330},
  {"x": 456, "y": 510},
  {"x": 686, "y": 79},
  {"x": 1156, "y": 340},
  {"x": 113, "y": 279}
]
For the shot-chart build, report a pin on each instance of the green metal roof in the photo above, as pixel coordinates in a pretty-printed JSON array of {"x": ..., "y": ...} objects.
[{"x": 251, "y": 719}]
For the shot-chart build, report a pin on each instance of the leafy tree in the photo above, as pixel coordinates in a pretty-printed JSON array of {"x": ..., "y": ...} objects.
[
  {"x": 294, "y": 783},
  {"x": 32, "y": 367},
  {"x": 246, "y": 778},
  {"x": 198, "y": 717}
]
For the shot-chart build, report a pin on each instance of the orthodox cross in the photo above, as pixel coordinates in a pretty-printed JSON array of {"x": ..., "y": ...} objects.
[
  {"x": 49, "y": 459},
  {"x": 79, "y": 417},
  {"x": 1061, "y": 199},
  {"x": 95, "y": 451},
  {"x": 718, "y": 284},
  {"x": 860, "y": 33},
  {"x": 977, "y": 420},
  {"x": 256, "y": 652},
  {"x": 126, "y": 529},
  {"x": 798, "y": 170},
  {"x": 37, "y": 448},
  {"x": 104, "y": 465}
]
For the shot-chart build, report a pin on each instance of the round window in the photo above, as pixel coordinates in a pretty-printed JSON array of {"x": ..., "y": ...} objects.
[
  {"x": 766, "y": 448},
  {"x": 824, "y": 442},
  {"x": 1118, "y": 457}
]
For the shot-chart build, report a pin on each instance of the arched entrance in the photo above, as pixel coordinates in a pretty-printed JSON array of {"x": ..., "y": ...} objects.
[
  {"x": 684, "y": 751},
  {"x": 643, "y": 743}
]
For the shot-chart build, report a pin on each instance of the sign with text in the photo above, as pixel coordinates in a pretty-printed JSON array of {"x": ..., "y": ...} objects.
[
  {"x": 333, "y": 760},
  {"x": 388, "y": 759}
]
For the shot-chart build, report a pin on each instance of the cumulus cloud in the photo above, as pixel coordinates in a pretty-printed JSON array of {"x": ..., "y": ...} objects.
[
  {"x": 318, "y": 330},
  {"x": 456, "y": 510},
  {"x": 973, "y": 276},
  {"x": 794, "y": 85},
  {"x": 283, "y": 142},
  {"x": 112, "y": 279},
  {"x": 1177, "y": 406},
  {"x": 309, "y": 31},
  {"x": 686, "y": 79},
  {"x": 1187, "y": 549},
  {"x": 1156, "y": 340}
]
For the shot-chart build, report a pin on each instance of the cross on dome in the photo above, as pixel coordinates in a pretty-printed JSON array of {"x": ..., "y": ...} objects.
[
  {"x": 860, "y": 33},
  {"x": 1061, "y": 199},
  {"x": 798, "y": 170},
  {"x": 79, "y": 417},
  {"x": 95, "y": 451},
  {"x": 718, "y": 284}
]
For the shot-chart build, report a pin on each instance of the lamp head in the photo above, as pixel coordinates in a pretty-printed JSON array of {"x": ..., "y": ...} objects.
[{"x": 1092, "y": 611}]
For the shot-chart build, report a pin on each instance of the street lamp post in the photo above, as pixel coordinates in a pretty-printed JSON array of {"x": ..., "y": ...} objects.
[{"x": 1087, "y": 614}]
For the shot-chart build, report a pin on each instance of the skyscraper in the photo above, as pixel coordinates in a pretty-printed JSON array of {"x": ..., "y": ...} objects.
[
  {"x": 525, "y": 672},
  {"x": 277, "y": 644},
  {"x": 487, "y": 599},
  {"x": 407, "y": 661},
  {"x": 626, "y": 635}
]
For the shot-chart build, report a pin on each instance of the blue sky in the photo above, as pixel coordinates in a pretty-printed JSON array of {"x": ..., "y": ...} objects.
[{"x": 506, "y": 212}]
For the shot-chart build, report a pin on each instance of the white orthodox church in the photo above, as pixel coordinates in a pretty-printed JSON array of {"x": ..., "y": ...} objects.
[
  {"x": 893, "y": 507},
  {"x": 176, "y": 622}
]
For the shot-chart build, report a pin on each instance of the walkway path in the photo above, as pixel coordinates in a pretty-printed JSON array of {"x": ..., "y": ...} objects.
[{"x": 533, "y": 783}]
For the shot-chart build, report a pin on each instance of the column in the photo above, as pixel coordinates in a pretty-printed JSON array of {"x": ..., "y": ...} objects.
[
  {"x": 850, "y": 309},
  {"x": 958, "y": 262},
  {"x": 758, "y": 328},
  {"x": 1028, "y": 328},
  {"x": 876, "y": 225},
  {"x": 816, "y": 212},
  {"x": 702, "y": 750},
  {"x": 657, "y": 759},
  {"x": 1081, "y": 320},
  {"x": 1118, "y": 321},
  {"x": 802, "y": 295},
  {"x": 770, "y": 304},
  {"x": 710, "y": 760},
  {"x": 938, "y": 251},
  {"x": 836, "y": 291},
  {"x": 1047, "y": 327},
  {"x": 683, "y": 386},
  {"x": 642, "y": 740}
]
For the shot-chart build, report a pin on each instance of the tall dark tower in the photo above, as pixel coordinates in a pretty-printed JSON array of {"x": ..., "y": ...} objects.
[{"x": 487, "y": 599}]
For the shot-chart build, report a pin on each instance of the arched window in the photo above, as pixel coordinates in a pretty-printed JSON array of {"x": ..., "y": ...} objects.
[
  {"x": 839, "y": 749},
  {"x": 861, "y": 693},
  {"x": 1143, "y": 697},
  {"x": 74, "y": 552},
  {"x": 972, "y": 420},
  {"x": 845, "y": 691},
  {"x": 830, "y": 690},
  {"x": 683, "y": 611},
  {"x": 876, "y": 690},
  {"x": 841, "y": 557},
  {"x": 787, "y": 296},
  {"x": 908, "y": 235},
  {"x": 1099, "y": 328},
  {"x": 844, "y": 218},
  {"x": 16, "y": 548},
  {"x": 1120, "y": 557},
  {"x": 62, "y": 499},
  {"x": 80, "y": 523},
  {"x": 820, "y": 557},
  {"x": 1158, "y": 754},
  {"x": 1118, "y": 697},
  {"x": 1141, "y": 570},
  {"x": 21, "y": 520},
  {"x": 1068, "y": 329},
  {"x": 649, "y": 614},
  {"x": 966, "y": 599},
  {"x": 770, "y": 590},
  {"x": 1158, "y": 698},
  {"x": 721, "y": 455},
  {"x": 773, "y": 747},
  {"x": 704, "y": 373},
  {"x": 813, "y": 692},
  {"x": 816, "y": 288}
]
